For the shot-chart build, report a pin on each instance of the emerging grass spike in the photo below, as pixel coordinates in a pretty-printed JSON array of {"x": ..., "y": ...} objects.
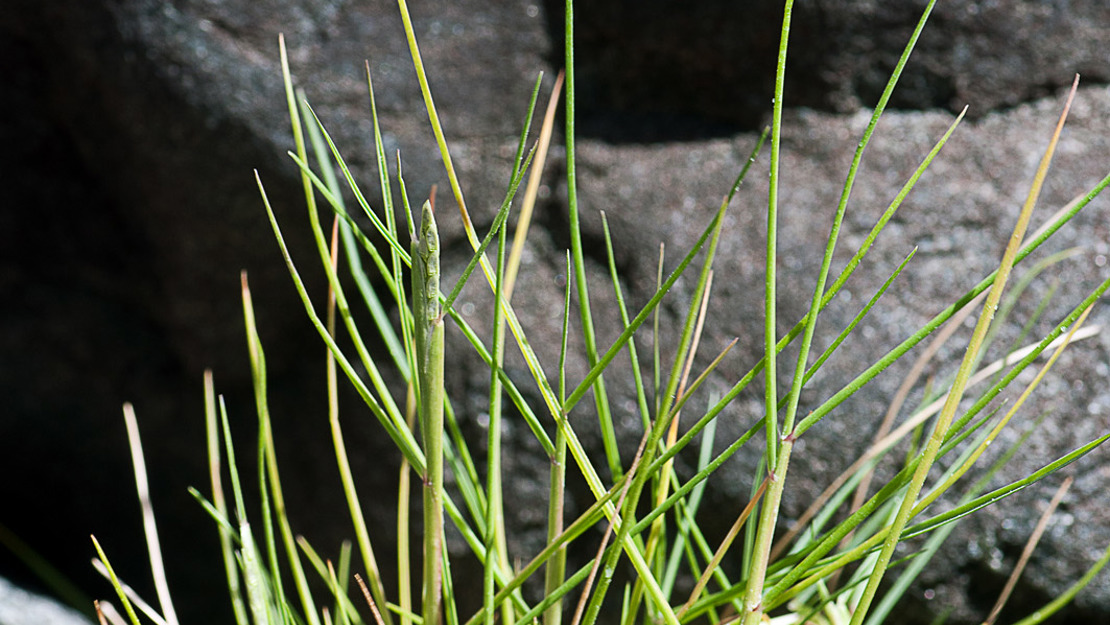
[{"x": 428, "y": 324}]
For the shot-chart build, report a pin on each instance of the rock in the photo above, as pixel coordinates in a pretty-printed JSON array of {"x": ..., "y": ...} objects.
[
  {"x": 19, "y": 607},
  {"x": 135, "y": 124},
  {"x": 956, "y": 217},
  {"x": 155, "y": 114},
  {"x": 688, "y": 73}
]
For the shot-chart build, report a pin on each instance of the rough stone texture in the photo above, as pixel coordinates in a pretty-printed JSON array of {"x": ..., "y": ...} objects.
[
  {"x": 134, "y": 125},
  {"x": 19, "y": 607},
  {"x": 969, "y": 193}
]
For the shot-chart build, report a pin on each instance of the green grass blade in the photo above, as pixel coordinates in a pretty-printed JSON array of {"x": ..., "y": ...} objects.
[
  {"x": 354, "y": 261},
  {"x": 578, "y": 263},
  {"x": 556, "y": 568},
  {"x": 116, "y": 583},
  {"x": 1005, "y": 491},
  {"x": 269, "y": 458},
  {"x": 956, "y": 393},
  {"x": 344, "y": 607},
  {"x": 254, "y": 574},
  {"x": 323, "y": 251},
  {"x": 637, "y": 377},
  {"x": 495, "y": 515},
  {"x": 498, "y": 224},
  {"x": 339, "y": 579},
  {"x": 400, "y": 433},
  {"x": 226, "y": 532},
  {"x": 831, "y": 349},
  {"x": 603, "y": 362},
  {"x": 391, "y": 223},
  {"x": 526, "y": 410},
  {"x": 310, "y": 182},
  {"x": 336, "y": 203},
  {"x": 752, "y": 614}
]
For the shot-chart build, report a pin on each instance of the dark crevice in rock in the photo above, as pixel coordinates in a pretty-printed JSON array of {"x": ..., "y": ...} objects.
[
  {"x": 657, "y": 71},
  {"x": 555, "y": 222},
  {"x": 986, "y": 584}
]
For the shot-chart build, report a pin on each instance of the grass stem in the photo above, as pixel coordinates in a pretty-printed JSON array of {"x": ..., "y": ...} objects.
[{"x": 429, "y": 374}]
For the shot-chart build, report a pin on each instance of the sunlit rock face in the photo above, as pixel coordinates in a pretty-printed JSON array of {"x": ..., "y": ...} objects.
[{"x": 134, "y": 127}]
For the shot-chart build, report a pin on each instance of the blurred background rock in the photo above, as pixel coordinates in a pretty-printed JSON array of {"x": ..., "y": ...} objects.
[{"x": 130, "y": 131}]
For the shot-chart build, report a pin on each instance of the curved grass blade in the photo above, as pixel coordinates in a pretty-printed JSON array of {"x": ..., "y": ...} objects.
[
  {"x": 268, "y": 462},
  {"x": 154, "y": 548}
]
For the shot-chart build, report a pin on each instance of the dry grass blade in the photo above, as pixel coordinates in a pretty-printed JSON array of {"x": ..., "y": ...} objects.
[
  {"x": 107, "y": 614},
  {"x": 628, "y": 479},
  {"x": 369, "y": 600},
  {"x": 956, "y": 393},
  {"x": 528, "y": 203},
  {"x": 672, "y": 432},
  {"x": 725, "y": 544},
  {"x": 1042, "y": 524},
  {"x": 154, "y": 548},
  {"x": 100, "y": 613}
]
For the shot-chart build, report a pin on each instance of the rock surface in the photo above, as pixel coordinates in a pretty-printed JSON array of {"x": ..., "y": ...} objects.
[
  {"x": 19, "y": 607},
  {"x": 134, "y": 125},
  {"x": 675, "y": 70}
]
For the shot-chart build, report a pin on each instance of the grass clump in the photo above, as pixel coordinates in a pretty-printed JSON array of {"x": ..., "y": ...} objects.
[{"x": 831, "y": 567}]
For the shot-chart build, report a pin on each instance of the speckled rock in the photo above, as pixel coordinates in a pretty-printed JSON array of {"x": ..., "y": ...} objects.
[
  {"x": 135, "y": 124},
  {"x": 19, "y": 607}
]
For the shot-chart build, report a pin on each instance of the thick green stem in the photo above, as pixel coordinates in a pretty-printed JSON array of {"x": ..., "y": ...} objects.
[
  {"x": 495, "y": 541},
  {"x": 601, "y": 398},
  {"x": 768, "y": 516},
  {"x": 778, "y": 457},
  {"x": 555, "y": 571},
  {"x": 429, "y": 363}
]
